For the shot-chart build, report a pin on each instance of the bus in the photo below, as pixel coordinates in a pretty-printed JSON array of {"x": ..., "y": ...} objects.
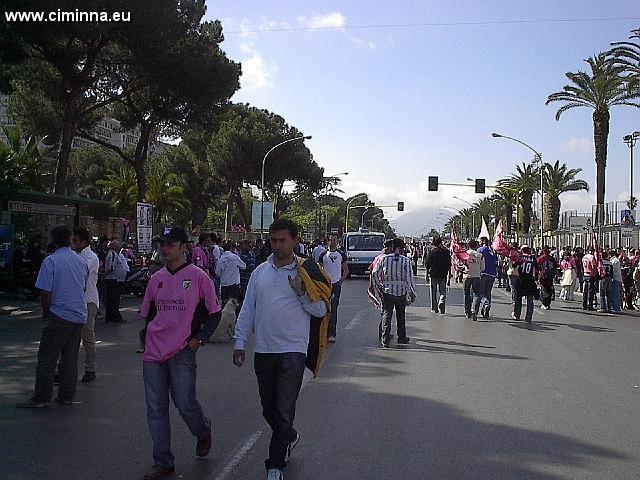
[{"x": 361, "y": 248}]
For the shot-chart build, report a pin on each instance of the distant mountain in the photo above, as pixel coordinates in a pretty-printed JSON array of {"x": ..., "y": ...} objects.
[{"x": 417, "y": 222}]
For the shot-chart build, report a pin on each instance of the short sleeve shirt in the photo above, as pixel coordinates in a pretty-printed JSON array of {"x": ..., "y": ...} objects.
[
  {"x": 332, "y": 263},
  {"x": 64, "y": 274},
  {"x": 176, "y": 303}
]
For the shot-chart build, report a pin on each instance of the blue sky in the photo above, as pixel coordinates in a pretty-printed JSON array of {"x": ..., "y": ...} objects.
[{"x": 393, "y": 105}]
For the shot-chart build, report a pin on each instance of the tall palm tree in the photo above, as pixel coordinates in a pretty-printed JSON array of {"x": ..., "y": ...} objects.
[
  {"x": 557, "y": 180},
  {"x": 601, "y": 89},
  {"x": 22, "y": 164},
  {"x": 525, "y": 181},
  {"x": 506, "y": 201},
  {"x": 627, "y": 56},
  {"x": 120, "y": 187},
  {"x": 166, "y": 195}
]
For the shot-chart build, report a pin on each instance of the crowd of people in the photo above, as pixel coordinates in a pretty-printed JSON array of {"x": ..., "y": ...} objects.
[{"x": 282, "y": 288}]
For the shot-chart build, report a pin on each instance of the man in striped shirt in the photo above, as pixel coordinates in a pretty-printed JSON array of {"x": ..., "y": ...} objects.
[{"x": 393, "y": 279}]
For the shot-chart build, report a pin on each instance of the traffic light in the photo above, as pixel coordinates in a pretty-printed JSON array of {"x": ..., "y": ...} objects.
[
  {"x": 433, "y": 184},
  {"x": 400, "y": 206},
  {"x": 480, "y": 184}
]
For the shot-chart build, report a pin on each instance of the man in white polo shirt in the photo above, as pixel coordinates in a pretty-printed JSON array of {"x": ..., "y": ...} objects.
[
  {"x": 278, "y": 309},
  {"x": 228, "y": 271},
  {"x": 334, "y": 262}
]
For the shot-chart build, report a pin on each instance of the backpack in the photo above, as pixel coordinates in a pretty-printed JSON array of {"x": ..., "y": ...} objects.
[{"x": 548, "y": 270}]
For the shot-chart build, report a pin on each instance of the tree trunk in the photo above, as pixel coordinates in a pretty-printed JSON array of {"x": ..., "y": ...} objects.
[
  {"x": 62, "y": 167},
  {"x": 241, "y": 207},
  {"x": 527, "y": 198},
  {"x": 228, "y": 213},
  {"x": 600, "y": 136},
  {"x": 140, "y": 159},
  {"x": 551, "y": 212},
  {"x": 508, "y": 218}
]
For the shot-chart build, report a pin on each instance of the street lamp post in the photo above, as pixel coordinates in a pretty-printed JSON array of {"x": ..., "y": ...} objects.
[
  {"x": 363, "y": 213},
  {"x": 630, "y": 140},
  {"x": 346, "y": 216},
  {"x": 374, "y": 217},
  {"x": 473, "y": 215},
  {"x": 537, "y": 158},
  {"x": 303, "y": 137}
]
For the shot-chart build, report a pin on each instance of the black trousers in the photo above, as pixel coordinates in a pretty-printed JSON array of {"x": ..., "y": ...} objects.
[
  {"x": 279, "y": 381},
  {"x": 59, "y": 338},
  {"x": 113, "y": 290},
  {"x": 389, "y": 302},
  {"x": 589, "y": 292}
]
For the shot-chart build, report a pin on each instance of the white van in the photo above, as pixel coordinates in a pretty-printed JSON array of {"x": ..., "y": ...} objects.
[{"x": 361, "y": 248}]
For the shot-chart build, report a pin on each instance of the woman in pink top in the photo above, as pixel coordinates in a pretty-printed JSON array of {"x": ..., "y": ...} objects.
[{"x": 568, "y": 266}]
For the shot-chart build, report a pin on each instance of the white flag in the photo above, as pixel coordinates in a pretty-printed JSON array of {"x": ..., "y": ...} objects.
[{"x": 484, "y": 231}]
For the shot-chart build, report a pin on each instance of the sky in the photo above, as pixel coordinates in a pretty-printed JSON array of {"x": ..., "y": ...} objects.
[{"x": 394, "y": 92}]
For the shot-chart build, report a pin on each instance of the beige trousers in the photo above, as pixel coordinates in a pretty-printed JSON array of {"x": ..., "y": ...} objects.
[{"x": 89, "y": 338}]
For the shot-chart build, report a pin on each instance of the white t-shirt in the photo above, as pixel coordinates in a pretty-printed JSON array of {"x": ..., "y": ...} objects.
[{"x": 332, "y": 263}]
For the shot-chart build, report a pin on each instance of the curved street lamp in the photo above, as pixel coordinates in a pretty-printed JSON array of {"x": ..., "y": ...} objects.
[
  {"x": 303, "y": 137},
  {"x": 374, "y": 217},
  {"x": 537, "y": 158},
  {"x": 630, "y": 140},
  {"x": 346, "y": 216}
]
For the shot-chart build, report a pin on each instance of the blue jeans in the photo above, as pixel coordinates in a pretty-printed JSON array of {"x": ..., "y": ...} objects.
[
  {"x": 471, "y": 296},
  {"x": 486, "y": 284},
  {"x": 177, "y": 377},
  {"x": 588, "y": 292},
  {"x": 279, "y": 381},
  {"x": 438, "y": 286},
  {"x": 605, "y": 294},
  {"x": 616, "y": 295},
  {"x": 335, "y": 301}
]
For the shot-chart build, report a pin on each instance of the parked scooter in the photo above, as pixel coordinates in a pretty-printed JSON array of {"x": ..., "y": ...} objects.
[{"x": 136, "y": 281}]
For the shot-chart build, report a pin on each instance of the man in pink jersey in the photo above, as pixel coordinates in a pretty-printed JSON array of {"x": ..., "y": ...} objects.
[{"x": 178, "y": 299}]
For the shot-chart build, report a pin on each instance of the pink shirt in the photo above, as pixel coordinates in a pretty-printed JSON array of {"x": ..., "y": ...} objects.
[
  {"x": 177, "y": 302},
  {"x": 568, "y": 264},
  {"x": 200, "y": 258},
  {"x": 590, "y": 265}
]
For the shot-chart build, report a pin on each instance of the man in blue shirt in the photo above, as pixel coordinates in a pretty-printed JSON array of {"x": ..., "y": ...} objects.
[
  {"x": 488, "y": 275},
  {"x": 62, "y": 282}
]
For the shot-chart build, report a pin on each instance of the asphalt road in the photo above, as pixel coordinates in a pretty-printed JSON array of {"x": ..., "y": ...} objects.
[{"x": 494, "y": 399}]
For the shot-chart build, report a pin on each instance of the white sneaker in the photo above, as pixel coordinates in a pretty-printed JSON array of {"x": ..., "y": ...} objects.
[{"x": 275, "y": 474}]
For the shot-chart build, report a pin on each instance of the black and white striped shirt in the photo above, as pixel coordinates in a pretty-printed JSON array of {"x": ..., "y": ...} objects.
[{"x": 393, "y": 275}]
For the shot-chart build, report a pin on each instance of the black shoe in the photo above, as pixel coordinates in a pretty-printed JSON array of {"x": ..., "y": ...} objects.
[
  {"x": 384, "y": 344},
  {"x": 441, "y": 307},
  {"x": 88, "y": 376},
  {"x": 435, "y": 310},
  {"x": 203, "y": 446},
  {"x": 403, "y": 340},
  {"x": 486, "y": 312},
  {"x": 474, "y": 317},
  {"x": 32, "y": 403},
  {"x": 62, "y": 401}
]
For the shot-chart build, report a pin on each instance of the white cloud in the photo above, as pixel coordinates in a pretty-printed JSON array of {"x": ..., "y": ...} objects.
[
  {"x": 330, "y": 20},
  {"x": 256, "y": 74},
  {"x": 578, "y": 145}
]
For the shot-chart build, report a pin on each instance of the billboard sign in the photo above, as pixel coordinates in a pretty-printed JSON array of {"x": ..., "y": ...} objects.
[{"x": 144, "y": 223}]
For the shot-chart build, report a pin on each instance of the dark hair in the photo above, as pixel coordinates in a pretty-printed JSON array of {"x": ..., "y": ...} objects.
[
  {"x": 61, "y": 236},
  {"x": 398, "y": 243},
  {"x": 203, "y": 237},
  {"x": 388, "y": 243},
  {"x": 437, "y": 241},
  {"x": 227, "y": 246},
  {"x": 82, "y": 234},
  {"x": 473, "y": 244},
  {"x": 284, "y": 224}
]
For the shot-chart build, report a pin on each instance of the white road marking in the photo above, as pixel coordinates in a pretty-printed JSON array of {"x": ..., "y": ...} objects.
[
  {"x": 355, "y": 320},
  {"x": 239, "y": 455}
]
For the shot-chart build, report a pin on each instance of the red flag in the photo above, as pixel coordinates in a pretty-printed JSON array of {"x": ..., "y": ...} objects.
[
  {"x": 456, "y": 248},
  {"x": 503, "y": 248},
  {"x": 597, "y": 254}
]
